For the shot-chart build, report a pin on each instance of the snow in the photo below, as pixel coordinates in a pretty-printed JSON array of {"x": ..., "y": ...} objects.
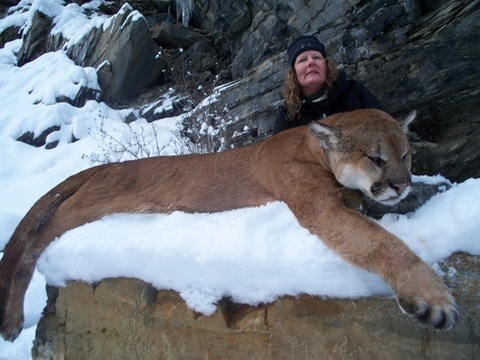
[{"x": 253, "y": 255}]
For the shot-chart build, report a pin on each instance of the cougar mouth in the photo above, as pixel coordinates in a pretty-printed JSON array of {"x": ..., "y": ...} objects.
[{"x": 390, "y": 195}]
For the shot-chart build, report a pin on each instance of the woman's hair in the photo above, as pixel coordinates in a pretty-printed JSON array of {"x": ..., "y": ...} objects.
[{"x": 291, "y": 88}]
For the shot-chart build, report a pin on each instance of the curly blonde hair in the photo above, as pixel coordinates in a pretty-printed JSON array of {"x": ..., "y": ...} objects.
[{"x": 291, "y": 88}]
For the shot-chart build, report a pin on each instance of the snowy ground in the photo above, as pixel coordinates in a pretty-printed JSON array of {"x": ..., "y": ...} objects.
[{"x": 253, "y": 255}]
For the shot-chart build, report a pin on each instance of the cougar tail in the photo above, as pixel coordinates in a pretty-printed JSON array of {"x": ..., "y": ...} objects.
[{"x": 24, "y": 248}]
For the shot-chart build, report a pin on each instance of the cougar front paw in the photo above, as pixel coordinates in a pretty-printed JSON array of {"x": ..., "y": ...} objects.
[
  {"x": 423, "y": 295},
  {"x": 439, "y": 316}
]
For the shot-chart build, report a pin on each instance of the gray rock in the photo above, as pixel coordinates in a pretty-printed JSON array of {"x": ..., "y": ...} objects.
[
  {"x": 167, "y": 33},
  {"x": 35, "y": 41},
  {"x": 9, "y": 34},
  {"x": 418, "y": 196},
  {"x": 125, "y": 56}
]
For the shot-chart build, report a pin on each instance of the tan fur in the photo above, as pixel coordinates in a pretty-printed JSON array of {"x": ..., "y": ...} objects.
[{"x": 303, "y": 167}]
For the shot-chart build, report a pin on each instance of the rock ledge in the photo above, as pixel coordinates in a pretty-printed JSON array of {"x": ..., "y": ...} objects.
[{"x": 127, "y": 318}]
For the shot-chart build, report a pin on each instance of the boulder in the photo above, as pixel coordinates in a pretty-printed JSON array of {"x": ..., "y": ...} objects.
[
  {"x": 35, "y": 41},
  {"x": 129, "y": 319},
  {"x": 419, "y": 195},
  {"x": 39, "y": 140},
  {"x": 124, "y": 54},
  {"x": 167, "y": 33},
  {"x": 9, "y": 34}
]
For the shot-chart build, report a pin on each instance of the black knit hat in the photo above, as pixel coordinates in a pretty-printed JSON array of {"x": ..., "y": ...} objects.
[{"x": 304, "y": 43}]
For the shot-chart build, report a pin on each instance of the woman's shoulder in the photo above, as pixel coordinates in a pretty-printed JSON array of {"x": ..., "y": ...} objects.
[{"x": 351, "y": 94}]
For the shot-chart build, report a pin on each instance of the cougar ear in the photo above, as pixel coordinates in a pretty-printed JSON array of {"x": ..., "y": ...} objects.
[
  {"x": 405, "y": 122},
  {"x": 329, "y": 136}
]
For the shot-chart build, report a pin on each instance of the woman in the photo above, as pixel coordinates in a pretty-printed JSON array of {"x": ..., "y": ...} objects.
[{"x": 314, "y": 88}]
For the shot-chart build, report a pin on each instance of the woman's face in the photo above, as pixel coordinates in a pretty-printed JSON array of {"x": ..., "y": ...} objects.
[{"x": 311, "y": 71}]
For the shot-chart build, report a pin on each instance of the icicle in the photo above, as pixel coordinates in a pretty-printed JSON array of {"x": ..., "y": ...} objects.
[{"x": 185, "y": 9}]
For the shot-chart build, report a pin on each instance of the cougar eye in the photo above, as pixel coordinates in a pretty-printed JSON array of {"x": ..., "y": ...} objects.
[{"x": 377, "y": 160}]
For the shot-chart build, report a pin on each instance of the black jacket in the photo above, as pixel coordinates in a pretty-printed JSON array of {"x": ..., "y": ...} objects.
[{"x": 348, "y": 95}]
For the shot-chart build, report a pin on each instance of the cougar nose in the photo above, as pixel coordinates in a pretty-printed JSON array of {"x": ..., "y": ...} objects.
[{"x": 399, "y": 187}]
